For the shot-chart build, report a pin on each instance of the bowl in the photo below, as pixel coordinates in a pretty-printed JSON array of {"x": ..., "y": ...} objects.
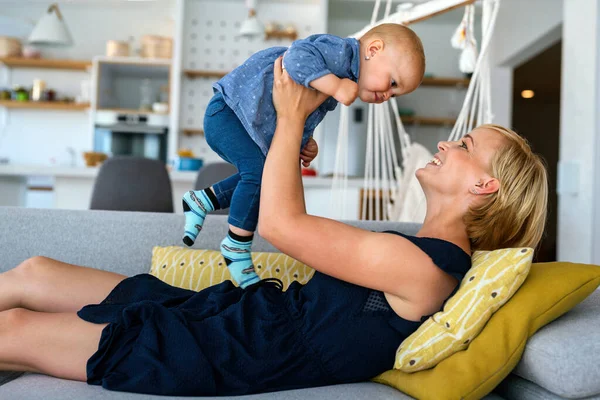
[
  {"x": 188, "y": 163},
  {"x": 93, "y": 159}
]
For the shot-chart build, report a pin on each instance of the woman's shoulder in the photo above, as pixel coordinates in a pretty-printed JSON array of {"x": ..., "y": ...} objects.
[{"x": 446, "y": 255}]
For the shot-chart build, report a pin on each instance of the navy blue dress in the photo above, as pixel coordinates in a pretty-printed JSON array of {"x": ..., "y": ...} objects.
[{"x": 228, "y": 341}]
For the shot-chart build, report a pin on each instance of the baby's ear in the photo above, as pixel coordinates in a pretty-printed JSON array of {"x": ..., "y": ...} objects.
[{"x": 375, "y": 46}]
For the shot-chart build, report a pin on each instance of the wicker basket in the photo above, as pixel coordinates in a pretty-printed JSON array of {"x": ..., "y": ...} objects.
[
  {"x": 157, "y": 46},
  {"x": 10, "y": 47},
  {"x": 93, "y": 159},
  {"x": 116, "y": 48}
]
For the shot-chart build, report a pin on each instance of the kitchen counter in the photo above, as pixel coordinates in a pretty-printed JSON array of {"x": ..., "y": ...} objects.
[{"x": 72, "y": 187}]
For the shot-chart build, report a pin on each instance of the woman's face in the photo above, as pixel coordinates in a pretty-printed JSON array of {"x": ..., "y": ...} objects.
[{"x": 462, "y": 166}]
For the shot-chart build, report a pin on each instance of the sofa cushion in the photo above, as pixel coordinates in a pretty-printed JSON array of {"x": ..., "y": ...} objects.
[
  {"x": 564, "y": 357},
  {"x": 195, "y": 269},
  {"x": 550, "y": 290},
  {"x": 493, "y": 279},
  {"x": 34, "y": 386},
  {"x": 514, "y": 387}
]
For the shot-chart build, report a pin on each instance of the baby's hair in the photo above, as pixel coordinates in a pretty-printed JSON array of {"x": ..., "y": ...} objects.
[{"x": 398, "y": 35}]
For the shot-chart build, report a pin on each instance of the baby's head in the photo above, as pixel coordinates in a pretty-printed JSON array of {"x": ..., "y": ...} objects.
[{"x": 392, "y": 63}]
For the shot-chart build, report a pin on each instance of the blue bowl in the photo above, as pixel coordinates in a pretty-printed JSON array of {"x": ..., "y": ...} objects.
[{"x": 189, "y": 164}]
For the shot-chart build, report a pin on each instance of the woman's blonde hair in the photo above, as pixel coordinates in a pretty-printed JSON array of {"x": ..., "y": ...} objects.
[{"x": 514, "y": 216}]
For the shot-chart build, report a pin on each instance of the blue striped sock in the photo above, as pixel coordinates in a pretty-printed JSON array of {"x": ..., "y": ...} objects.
[
  {"x": 237, "y": 253},
  {"x": 196, "y": 204}
]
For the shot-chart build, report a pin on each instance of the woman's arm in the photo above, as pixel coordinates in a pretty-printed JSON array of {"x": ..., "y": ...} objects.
[{"x": 385, "y": 262}]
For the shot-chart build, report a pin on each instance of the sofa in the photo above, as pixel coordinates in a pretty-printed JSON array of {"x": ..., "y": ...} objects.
[{"x": 560, "y": 361}]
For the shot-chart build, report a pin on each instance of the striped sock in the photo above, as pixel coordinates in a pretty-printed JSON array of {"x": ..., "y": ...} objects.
[
  {"x": 196, "y": 204},
  {"x": 236, "y": 251}
]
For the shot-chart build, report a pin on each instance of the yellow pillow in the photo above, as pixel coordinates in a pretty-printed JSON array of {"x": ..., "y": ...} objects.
[
  {"x": 550, "y": 290},
  {"x": 493, "y": 278},
  {"x": 198, "y": 269}
]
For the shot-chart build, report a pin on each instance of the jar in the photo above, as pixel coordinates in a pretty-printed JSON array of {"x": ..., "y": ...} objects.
[
  {"x": 20, "y": 94},
  {"x": 50, "y": 95},
  {"x": 5, "y": 94}
]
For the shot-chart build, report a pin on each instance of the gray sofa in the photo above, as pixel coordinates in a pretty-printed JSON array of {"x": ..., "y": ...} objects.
[{"x": 561, "y": 361}]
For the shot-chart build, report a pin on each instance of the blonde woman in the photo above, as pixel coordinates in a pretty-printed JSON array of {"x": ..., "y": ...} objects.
[{"x": 370, "y": 291}]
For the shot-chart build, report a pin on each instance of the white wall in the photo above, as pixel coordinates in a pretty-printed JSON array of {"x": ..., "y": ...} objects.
[
  {"x": 579, "y": 204},
  {"x": 596, "y": 173},
  {"x": 38, "y": 137}
]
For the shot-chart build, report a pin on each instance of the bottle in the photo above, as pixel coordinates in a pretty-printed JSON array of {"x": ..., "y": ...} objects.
[{"x": 37, "y": 92}]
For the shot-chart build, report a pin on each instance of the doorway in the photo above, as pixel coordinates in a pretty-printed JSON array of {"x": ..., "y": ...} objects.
[{"x": 536, "y": 116}]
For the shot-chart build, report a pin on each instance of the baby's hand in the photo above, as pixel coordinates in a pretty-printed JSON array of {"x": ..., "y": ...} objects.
[
  {"x": 347, "y": 92},
  {"x": 309, "y": 152}
]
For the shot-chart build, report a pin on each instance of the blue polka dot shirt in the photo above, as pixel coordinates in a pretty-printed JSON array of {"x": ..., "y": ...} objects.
[{"x": 248, "y": 89}]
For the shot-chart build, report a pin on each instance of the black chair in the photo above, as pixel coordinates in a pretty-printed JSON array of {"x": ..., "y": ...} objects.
[
  {"x": 213, "y": 173},
  {"x": 132, "y": 184}
]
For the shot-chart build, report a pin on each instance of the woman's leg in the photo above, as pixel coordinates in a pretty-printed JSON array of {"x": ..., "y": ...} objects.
[
  {"x": 57, "y": 344},
  {"x": 47, "y": 285}
]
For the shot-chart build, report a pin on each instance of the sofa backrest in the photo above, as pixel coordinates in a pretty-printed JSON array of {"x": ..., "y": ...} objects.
[{"x": 117, "y": 241}]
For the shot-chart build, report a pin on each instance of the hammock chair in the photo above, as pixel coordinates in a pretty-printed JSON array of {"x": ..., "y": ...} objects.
[{"x": 391, "y": 191}]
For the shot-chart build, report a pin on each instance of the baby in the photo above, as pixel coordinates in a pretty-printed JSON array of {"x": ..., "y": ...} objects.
[{"x": 240, "y": 119}]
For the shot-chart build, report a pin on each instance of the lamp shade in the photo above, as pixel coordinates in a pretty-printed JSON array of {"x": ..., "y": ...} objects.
[
  {"x": 252, "y": 27},
  {"x": 51, "y": 30}
]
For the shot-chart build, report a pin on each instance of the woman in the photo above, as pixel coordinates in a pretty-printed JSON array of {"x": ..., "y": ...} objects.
[{"x": 485, "y": 191}]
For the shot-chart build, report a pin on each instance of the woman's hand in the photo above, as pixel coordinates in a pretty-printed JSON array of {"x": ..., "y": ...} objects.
[
  {"x": 309, "y": 152},
  {"x": 292, "y": 100}
]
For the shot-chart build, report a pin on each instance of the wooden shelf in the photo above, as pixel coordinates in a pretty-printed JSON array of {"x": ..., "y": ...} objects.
[
  {"x": 40, "y": 188},
  {"x": 192, "y": 132},
  {"x": 75, "y": 65},
  {"x": 132, "y": 111},
  {"x": 44, "y": 105},
  {"x": 436, "y": 121},
  {"x": 281, "y": 34},
  {"x": 433, "y": 81},
  {"x": 204, "y": 74},
  {"x": 143, "y": 61}
]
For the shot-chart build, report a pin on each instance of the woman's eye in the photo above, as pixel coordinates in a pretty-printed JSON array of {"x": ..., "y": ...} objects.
[{"x": 463, "y": 144}]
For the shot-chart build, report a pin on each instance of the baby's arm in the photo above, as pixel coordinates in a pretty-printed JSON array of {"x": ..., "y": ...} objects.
[
  {"x": 343, "y": 90},
  {"x": 320, "y": 62}
]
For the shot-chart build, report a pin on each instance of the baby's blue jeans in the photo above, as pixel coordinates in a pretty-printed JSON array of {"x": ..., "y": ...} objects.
[{"x": 226, "y": 135}]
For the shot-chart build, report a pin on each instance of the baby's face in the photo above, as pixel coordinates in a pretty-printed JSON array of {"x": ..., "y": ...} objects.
[{"x": 386, "y": 75}]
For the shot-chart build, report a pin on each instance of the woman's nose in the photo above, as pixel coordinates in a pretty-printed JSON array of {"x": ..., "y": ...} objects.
[{"x": 442, "y": 146}]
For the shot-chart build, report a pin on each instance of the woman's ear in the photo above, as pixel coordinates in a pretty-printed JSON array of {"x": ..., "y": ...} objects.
[{"x": 487, "y": 185}]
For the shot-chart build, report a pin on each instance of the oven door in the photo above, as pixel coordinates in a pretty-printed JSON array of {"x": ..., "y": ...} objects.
[{"x": 123, "y": 139}]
